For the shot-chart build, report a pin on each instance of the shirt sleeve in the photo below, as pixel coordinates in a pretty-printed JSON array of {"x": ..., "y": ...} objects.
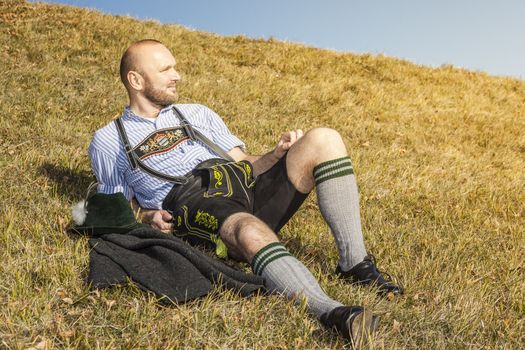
[
  {"x": 110, "y": 178},
  {"x": 220, "y": 133}
]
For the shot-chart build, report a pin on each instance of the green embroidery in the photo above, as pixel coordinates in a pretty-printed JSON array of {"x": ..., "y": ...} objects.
[
  {"x": 248, "y": 169},
  {"x": 218, "y": 176},
  {"x": 221, "y": 181},
  {"x": 220, "y": 248},
  {"x": 205, "y": 219}
]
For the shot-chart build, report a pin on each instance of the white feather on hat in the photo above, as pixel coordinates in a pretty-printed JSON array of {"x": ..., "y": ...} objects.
[{"x": 79, "y": 212}]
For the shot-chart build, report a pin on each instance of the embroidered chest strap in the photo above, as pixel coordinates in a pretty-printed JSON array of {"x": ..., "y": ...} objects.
[
  {"x": 135, "y": 161},
  {"x": 160, "y": 141},
  {"x": 164, "y": 141}
]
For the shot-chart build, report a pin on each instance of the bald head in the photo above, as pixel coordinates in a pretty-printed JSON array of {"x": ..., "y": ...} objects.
[
  {"x": 147, "y": 70},
  {"x": 131, "y": 59}
]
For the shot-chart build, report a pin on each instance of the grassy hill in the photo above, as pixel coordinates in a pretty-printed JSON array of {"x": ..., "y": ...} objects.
[{"x": 439, "y": 155}]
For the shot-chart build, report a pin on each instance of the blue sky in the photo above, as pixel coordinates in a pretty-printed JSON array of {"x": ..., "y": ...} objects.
[{"x": 478, "y": 35}]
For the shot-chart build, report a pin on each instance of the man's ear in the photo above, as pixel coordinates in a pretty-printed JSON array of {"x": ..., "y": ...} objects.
[{"x": 135, "y": 80}]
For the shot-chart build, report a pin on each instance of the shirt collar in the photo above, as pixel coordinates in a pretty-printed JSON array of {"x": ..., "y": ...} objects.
[{"x": 128, "y": 113}]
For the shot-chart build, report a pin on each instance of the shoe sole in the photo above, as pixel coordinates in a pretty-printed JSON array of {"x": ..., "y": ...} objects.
[{"x": 362, "y": 327}]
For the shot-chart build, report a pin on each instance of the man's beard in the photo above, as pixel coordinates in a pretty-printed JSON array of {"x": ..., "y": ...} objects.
[{"x": 159, "y": 97}]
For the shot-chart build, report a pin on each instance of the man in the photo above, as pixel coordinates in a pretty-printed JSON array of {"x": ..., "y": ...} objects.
[{"x": 235, "y": 206}]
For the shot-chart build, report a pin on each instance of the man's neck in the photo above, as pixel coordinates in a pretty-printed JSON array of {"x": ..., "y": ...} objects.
[{"x": 145, "y": 109}]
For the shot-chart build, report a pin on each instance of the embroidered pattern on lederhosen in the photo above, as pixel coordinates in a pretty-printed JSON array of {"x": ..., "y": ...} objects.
[{"x": 160, "y": 141}]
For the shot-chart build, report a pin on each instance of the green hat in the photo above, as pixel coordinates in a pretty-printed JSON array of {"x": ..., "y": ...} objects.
[{"x": 105, "y": 213}]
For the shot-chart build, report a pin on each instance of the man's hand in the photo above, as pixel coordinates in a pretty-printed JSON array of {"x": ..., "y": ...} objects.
[
  {"x": 158, "y": 219},
  {"x": 263, "y": 163},
  {"x": 287, "y": 140}
]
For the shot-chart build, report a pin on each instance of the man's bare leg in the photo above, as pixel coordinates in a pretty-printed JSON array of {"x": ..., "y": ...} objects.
[
  {"x": 320, "y": 158},
  {"x": 245, "y": 235},
  {"x": 251, "y": 240}
]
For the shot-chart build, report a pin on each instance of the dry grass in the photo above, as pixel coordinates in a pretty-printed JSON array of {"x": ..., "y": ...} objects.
[{"x": 439, "y": 153}]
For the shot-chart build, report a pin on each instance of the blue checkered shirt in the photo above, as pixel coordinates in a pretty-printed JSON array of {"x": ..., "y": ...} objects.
[{"x": 113, "y": 170}]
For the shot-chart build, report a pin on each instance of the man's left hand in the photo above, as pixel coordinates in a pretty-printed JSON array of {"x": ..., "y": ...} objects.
[{"x": 286, "y": 141}]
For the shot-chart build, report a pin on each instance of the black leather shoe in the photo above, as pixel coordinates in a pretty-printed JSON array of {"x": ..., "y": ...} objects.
[
  {"x": 354, "y": 323},
  {"x": 366, "y": 272}
]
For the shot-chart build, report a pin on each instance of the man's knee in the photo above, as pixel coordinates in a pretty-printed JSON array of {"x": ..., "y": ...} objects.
[
  {"x": 245, "y": 234},
  {"x": 324, "y": 138},
  {"x": 316, "y": 146}
]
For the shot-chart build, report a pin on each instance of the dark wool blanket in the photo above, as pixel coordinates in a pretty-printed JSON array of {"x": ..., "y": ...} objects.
[{"x": 163, "y": 264}]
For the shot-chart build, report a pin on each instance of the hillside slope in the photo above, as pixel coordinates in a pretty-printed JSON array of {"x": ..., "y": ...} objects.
[{"x": 439, "y": 155}]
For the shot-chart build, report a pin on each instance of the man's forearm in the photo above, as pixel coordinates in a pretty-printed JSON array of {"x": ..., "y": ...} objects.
[
  {"x": 144, "y": 215},
  {"x": 157, "y": 218},
  {"x": 263, "y": 163}
]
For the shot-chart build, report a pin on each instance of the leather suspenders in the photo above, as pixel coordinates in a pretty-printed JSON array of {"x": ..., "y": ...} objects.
[{"x": 192, "y": 133}]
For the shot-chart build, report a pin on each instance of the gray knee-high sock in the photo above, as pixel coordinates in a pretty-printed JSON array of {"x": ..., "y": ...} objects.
[
  {"x": 285, "y": 274},
  {"x": 339, "y": 203}
]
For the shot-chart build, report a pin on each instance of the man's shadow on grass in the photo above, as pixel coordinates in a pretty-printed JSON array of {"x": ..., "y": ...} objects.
[{"x": 72, "y": 184}]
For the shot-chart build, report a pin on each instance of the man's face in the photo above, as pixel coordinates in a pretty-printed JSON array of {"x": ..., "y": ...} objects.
[{"x": 160, "y": 76}]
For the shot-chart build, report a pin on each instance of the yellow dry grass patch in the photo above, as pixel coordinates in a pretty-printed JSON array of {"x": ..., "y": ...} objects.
[{"x": 439, "y": 155}]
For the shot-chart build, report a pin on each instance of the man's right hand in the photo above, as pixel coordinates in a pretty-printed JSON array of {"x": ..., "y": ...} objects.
[{"x": 158, "y": 219}]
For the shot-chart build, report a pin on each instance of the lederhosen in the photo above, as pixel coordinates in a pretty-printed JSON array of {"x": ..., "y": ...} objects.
[{"x": 201, "y": 200}]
